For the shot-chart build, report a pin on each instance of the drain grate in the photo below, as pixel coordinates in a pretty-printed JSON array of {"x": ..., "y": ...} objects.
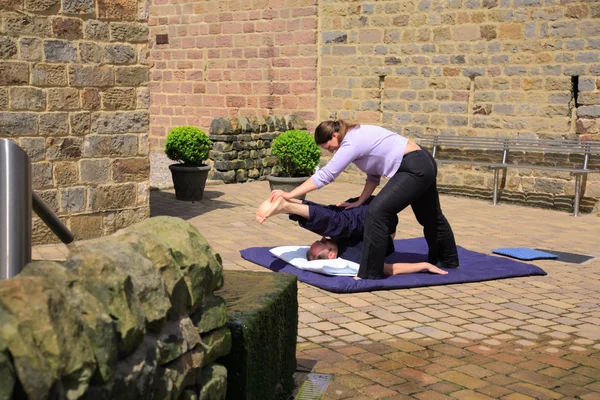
[{"x": 313, "y": 387}]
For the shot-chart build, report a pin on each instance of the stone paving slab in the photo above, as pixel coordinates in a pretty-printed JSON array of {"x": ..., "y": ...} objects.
[{"x": 521, "y": 338}]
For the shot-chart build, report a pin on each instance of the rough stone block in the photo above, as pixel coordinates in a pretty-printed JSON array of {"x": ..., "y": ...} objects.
[
  {"x": 13, "y": 73},
  {"x": 63, "y": 148},
  {"x": 94, "y": 171},
  {"x": 113, "y": 221},
  {"x": 34, "y": 147},
  {"x": 67, "y": 28},
  {"x": 120, "y": 122},
  {"x": 63, "y": 99},
  {"x": 143, "y": 97},
  {"x": 148, "y": 285},
  {"x": 588, "y": 112},
  {"x": 86, "y": 226},
  {"x": 96, "y": 30},
  {"x": 119, "y": 54},
  {"x": 131, "y": 76},
  {"x": 90, "y": 76},
  {"x": 91, "y": 52},
  {"x": 19, "y": 25},
  {"x": 111, "y": 197},
  {"x": 119, "y": 99},
  {"x": 65, "y": 173},
  {"x": 190, "y": 267},
  {"x": 60, "y": 50},
  {"x": 110, "y": 146},
  {"x": 54, "y": 124},
  {"x": 79, "y": 7},
  {"x": 212, "y": 382},
  {"x": 175, "y": 339},
  {"x": 107, "y": 281},
  {"x": 72, "y": 199},
  {"x": 128, "y": 32},
  {"x": 41, "y": 175},
  {"x": 263, "y": 318},
  {"x": 3, "y": 98},
  {"x": 8, "y": 47},
  {"x": 14, "y": 123},
  {"x": 49, "y": 75},
  {"x": 211, "y": 315},
  {"x": 40, "y": 5},
  {"x": 90, "y": 99},
  {"x": 117, "y": 9},
  {"x": 27, "y": 98},
  {"x": 11, "y": 5},
  {"x": 80, "y": 123},
  {"x": 131, "y": 169},
  {"x": 44, "y": 333}
]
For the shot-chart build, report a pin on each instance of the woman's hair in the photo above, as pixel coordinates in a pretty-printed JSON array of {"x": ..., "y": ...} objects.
[{"x": 326, "y": 129}]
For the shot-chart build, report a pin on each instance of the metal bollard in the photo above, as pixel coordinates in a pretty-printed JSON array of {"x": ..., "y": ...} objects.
[{"x": 15, "y": 209}]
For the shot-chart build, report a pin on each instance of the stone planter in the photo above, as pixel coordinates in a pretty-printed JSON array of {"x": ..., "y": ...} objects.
[
  {"x": 286, "y": 184},
  {"x": 189, "y": 182}
]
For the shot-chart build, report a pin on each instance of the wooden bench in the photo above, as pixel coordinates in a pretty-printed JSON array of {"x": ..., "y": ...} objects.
[{"x": 499, "y": 153}]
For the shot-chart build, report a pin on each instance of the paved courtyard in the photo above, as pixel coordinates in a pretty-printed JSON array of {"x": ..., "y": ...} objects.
[{"x": 522, "y": 338}]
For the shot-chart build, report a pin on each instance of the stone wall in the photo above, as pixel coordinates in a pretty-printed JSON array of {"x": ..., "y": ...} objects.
[
  {"x": 228, "y": 58},
  {"x": 472, "y": 67},
  {"x": 130, "y": 316},
  {"x": 73, "y": 94},
  {"x": 242, "y": 145}
]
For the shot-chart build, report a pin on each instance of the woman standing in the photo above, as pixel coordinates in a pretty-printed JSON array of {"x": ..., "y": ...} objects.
[{"x": 412, "y": 173}]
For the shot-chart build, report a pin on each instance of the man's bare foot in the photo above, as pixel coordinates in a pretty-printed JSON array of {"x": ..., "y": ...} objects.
[
  {"x": 268, "y": 208},
  {"x": 435, "y": 270},
  {"x": 356, "y": 278}
]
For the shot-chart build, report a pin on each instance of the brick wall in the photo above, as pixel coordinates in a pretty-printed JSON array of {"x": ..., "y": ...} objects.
[
  {"x": 229, "y": 58},
  {"x": 73, "y": 94},
  {"x": 471, "y": 67}
]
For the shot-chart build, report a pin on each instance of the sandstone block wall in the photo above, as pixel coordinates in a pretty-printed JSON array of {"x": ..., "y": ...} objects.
[
  {"x": 242, "y": 145},
  {"x": 472, "y": 67},
  {"x": 229, "y": 58},
  {"x": 74, "y": 95},
  {"x": 130, "y": 316}
]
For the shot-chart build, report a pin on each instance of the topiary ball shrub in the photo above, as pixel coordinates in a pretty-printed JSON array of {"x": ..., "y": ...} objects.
[
  {"x": 187, "y": 145},
  {"x": 297, "y": 152}
]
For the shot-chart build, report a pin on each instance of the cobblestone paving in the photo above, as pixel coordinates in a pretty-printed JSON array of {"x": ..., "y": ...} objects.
[{"x": 521, "y": 338}]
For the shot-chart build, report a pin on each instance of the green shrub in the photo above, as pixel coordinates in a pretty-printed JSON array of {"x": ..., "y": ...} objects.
[
  {"x": 187, "y": 145},
  {"x": 297, "y": 152}
]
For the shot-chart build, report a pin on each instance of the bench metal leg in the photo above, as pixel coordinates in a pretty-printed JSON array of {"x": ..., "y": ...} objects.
[
  {"x": 577, "y": 195},
  {"x": 496, "y": 172}
]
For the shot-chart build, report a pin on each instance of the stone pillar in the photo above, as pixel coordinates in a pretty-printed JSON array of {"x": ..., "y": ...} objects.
[{"x": 74, "y": 95}]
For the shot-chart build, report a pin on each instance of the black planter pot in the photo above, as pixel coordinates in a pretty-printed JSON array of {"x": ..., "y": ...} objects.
[
  {"x": 286, "y": 184},
  {"x": 189, "y": 182}
]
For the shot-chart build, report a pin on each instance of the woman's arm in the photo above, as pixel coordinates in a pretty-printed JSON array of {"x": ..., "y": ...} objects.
[
  {"x": 307, "y": 186},
  {"x": 366, "y": 193}
]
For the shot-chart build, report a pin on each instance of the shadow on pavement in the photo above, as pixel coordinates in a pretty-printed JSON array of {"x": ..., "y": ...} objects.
[{"x": 165, "y": 203}]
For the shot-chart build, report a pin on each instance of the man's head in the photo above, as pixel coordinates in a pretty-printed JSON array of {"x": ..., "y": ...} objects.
[{"x": 322, "y": 250}]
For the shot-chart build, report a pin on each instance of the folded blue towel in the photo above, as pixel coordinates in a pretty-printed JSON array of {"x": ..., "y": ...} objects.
[{"x": 523, "y": 253}]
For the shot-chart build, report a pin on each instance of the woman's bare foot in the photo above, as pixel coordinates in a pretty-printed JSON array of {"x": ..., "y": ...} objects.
[
  {"x": 435, "y": 270},
  {"x": 268, "y": 208}
]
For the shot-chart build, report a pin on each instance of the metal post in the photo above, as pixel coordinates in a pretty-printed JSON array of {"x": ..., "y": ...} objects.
[
  {"x": 15, "y": 209},
  {"x": 577, "y": 195},
  {"x": 55, "y": 224},
  {"x": 496, "y": 171}
]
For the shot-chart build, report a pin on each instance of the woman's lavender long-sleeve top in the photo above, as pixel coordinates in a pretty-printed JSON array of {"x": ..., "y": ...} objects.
[{"x": 374, "y": 150}]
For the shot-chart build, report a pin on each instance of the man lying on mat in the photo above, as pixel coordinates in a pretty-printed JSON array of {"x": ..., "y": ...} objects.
[{"x": 342, "y": 230}]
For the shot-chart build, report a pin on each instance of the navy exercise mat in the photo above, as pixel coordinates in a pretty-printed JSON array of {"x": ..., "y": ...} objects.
[{"x": 474, "y": 267}]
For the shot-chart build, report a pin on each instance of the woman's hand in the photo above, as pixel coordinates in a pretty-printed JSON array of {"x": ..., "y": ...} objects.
[
  {"x": 348, "y": 205},
  {"x": 275, "y": 194}
]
